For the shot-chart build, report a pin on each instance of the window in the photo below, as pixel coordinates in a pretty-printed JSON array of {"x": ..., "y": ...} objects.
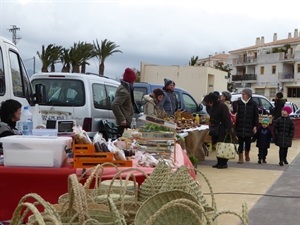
[
  {"x": 273, "y": 69},
  {"x": 2, "y": 77},
  {"x": 63, "y": 92},
  {"x": 262, "y": 70},
  {"x": 100, "y": 97},
  {"x": 260, "y": 91},
  {"x": 298, "y": 66},
  {"x": 294, "y": 92},
  {"x": 189, "y": 103},
  {"x": 139, "y": 93},
  {"x": 272, "y": 92},
  {"x": 111, "y": 93}
]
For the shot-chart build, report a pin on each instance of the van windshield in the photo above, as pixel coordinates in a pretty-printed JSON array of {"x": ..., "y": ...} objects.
[{"x": 66, "y": 92}]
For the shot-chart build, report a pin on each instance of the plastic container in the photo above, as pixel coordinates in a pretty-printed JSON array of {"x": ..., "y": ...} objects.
[
  {"x": 25, "y": 124},
  {"x": 37, "y": 119},
  {"x": 19, "y": 150},
  {"x": 44, "y": 132}
]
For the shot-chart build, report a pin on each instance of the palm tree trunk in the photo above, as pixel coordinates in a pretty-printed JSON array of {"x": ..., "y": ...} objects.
[
  {"x": 44, "y": 69},
  {"x": 52, "y": 67},
  {"x": 101, "y": 69},
  {"x": 83, "y": 68}
]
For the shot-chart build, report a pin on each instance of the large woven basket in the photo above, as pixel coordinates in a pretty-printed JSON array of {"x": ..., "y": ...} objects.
[
  {"x": 154, "y": 203},
  {"x": 155, "y": 181},
  {"x": 175, "y": 214},
  {"x": 127, "y": 199}
]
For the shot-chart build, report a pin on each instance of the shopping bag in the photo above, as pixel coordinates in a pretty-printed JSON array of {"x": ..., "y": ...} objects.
[{"x": 226, "y": 150}]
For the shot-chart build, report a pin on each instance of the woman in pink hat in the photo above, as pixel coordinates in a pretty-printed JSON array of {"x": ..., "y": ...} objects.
[{"x": 284, "y": 133}]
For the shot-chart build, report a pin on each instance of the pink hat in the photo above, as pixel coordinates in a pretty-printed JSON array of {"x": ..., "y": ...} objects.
[
  {"x": 287, "y": 109},
  {"x": 129, "y": 75}
]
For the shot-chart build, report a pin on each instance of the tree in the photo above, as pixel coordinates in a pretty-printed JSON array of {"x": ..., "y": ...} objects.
[
  {"x": 103, "y": 51},
  {"x": 65, "y": 60},
  {"x": 49, "y": 56},
  {"x": 193, "y": 61}
]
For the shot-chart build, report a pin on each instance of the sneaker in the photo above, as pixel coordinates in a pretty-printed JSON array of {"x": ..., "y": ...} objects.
[
  {"x": 285, "y": 162},
  {"x": 264, "y": 161},
  {"x": 281, "y": 163},
  {"x": 259, "y": 161}
]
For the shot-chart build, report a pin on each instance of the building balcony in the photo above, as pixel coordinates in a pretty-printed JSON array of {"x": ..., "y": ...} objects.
[
  {"x": 286, "y": 77},
  {"x": 242, "y": 61},
  {"x": 251, "y": 78}
]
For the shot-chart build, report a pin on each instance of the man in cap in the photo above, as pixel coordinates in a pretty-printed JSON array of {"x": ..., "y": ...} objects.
[
  {"x": 124, "y": 105},
  {"x": 169, "y": 102}
]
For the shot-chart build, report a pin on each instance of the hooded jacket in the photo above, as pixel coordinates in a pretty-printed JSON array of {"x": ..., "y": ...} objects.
[{"x": 152, "y": 107}]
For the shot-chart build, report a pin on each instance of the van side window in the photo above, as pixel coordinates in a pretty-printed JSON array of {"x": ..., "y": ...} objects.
[
  {"x": 139, "y": 93},
  {"x": 111, "y": 93},
  {"x": 179, "y": 105},
  {"x": 16, "y": 75},
  {"x": 189, "y": 103},
  {"x": 2, "y": 77},
  {"x": 100, "y": 97}
]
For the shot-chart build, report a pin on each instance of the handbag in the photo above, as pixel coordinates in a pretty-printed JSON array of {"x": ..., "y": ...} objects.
[{"x": 226, "y": 150}]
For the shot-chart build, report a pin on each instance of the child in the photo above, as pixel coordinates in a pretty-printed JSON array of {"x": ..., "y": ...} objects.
[
  {"x": 284, "y": 132},
  {"x": 263, "y": 137}
]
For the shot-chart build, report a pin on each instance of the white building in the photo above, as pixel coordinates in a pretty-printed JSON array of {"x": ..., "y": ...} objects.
[
  {"x": 269, "y": 67},
  {"x": 198, "y": 80}
]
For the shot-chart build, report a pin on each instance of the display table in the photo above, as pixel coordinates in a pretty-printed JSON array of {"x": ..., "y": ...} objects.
[
  {"x": 194, "y": 141},
  {"x": 50, "y": 183}
]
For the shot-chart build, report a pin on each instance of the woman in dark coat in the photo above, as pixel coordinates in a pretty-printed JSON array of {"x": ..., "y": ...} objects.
[
  {"x": 246, "y": 122},
  {"x": 219, "y": 116},
  {"x": 284, "y": 133}
]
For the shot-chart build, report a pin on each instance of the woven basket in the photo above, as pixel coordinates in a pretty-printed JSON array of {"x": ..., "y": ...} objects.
[
  {"x": 243, "y": 216},
  {"x": 183, "y": 181},
  {"x": 154, "y": 203},
  {"x": 94, "y": 174},
  {"x": 174, "y": 214},
  {"x": 156, "y": 179},
  {"x": 127, "y": 199},
  {"x": 24, "y": 208}
]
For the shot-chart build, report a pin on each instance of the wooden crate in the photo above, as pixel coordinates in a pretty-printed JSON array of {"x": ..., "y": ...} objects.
[{"x": 85, "y": 157}]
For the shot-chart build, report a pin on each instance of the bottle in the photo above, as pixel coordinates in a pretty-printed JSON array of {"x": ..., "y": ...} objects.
[
  {"x": 26, "y": 123},
  {"x": 197, "y": 119},
  {"x": 37, "y": 118}
]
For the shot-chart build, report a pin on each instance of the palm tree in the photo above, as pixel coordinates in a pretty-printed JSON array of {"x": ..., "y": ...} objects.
[
  {"x": 49, "y": 56},
  {"x": 193, "y": 61},
  {"x": 106, "y": 49},
  {"x": 65, "y": 60},
  {"x": 75, "y": 58},
  {"x": 87, "y": 52}
]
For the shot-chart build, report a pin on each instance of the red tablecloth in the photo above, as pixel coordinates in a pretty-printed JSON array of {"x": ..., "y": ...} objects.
[{"x": 50, "y": 183}]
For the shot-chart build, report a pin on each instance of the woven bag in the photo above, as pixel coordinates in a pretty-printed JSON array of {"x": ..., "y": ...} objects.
[
  {"x": 154, "y": 203},
  {"x": 127, "y": 199},
  {"x": 92, "y": 174},
  {"x": 182, "y": 180},
  {"x": 155, "y": 181},
  {"x": 175, "y": 214},
  {"x": 24, "y": 208}
]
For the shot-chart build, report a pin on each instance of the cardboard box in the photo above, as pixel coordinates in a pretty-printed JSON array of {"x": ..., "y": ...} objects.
[{"x": 39, "y": 151}]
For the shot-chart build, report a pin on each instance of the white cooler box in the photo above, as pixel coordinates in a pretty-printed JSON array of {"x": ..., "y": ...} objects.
[{"x": 19, "y": 150}]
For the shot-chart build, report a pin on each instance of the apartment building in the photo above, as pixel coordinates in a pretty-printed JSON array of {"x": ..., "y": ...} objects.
[
  {"x": 268, "y": 67},
  {"x": 216, "y": 60}
]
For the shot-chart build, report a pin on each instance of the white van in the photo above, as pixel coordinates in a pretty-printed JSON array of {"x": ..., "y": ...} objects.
[
  {"x": 14, "y": 81},
  {"x": 84, "y": 98}
]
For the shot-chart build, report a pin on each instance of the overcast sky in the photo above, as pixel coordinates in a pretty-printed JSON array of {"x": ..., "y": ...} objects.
[{"x": 159, "y": 32}]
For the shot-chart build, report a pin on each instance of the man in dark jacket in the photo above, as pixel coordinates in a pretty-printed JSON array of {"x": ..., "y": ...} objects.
[
  {"x": 246, "y": 122},
  {"x": 169, "y": 103},
  {"x": 123, "y": 105}
]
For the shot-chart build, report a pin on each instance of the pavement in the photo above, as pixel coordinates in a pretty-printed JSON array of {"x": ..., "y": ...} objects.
[{"x": 271, "y": 191}]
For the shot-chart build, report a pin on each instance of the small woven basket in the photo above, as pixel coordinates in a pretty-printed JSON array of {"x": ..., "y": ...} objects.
[
  {"x": 155, "y": 181},
  {"x": 174, "y": 214},
  {"x": 154, "y": 203}
]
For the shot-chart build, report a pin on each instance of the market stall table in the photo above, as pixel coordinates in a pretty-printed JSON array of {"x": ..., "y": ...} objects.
[
  {"x": 194, "y": 141},
  {"x": 50, "y": 183}
]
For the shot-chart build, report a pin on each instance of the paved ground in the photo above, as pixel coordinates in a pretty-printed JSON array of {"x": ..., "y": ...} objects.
[{"x": 271, "y": 192}]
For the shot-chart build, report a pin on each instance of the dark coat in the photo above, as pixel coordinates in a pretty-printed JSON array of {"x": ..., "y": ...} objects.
[
  {"x": 123, "y": 104},
  {"x": 263, "y": 137},
  {"x": 246, "y": 117},
  {"x": 219, "y": 114},
  {"x": 284, "y": 132},
  {"x": 279, "y": 104}
]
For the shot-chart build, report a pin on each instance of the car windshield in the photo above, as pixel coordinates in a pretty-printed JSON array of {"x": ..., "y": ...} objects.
[{"x": 60, "y": 92}]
